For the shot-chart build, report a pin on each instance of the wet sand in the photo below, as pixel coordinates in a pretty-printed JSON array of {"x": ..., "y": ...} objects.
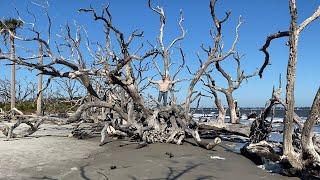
[{"x": 58, "y": 157}]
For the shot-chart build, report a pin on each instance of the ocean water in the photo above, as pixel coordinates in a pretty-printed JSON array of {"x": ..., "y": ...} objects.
[
  {"x": 277, "y": 124},
  {"x": 279, "y": 112}
]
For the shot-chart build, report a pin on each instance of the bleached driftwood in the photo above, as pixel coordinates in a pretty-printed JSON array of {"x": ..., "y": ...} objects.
[{"x": 237, "y": 129}]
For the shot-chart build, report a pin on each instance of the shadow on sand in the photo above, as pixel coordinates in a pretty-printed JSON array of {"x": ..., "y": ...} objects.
[{"x": 178, "y": 174}]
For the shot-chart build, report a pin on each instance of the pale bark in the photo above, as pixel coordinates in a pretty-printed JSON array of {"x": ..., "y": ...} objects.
[
  {"x": 115, "y": 63},
  {"x": 232, "y": 86},
  {"x": 165, "y": 51},
  {"x": 13, "y": 73},
  {"x": 77, "y": 115},
  {"x": 211, "y": 85},
  {"x": 232, "y": 108},
  {"x": 214, "y": 54},
  {"x": 260, "y": 151},
  {"x": 308, "y": 149},
  {"x": 221, "y": 110},
  {"x": 32, "y": 121},
  {"x": 211, "y": 59},
  {"x": 291, "y": 77},
  {"x": 309, "y": 154},
  {"x": 39, "y": 98},
  {"x": 237, "y": 129}
]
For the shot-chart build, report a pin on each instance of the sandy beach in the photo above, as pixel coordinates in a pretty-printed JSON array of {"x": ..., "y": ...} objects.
[{"x": 50, "y": 154}]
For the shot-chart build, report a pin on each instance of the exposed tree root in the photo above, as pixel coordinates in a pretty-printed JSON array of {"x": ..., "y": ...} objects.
[{"x": 164, "y": 125}]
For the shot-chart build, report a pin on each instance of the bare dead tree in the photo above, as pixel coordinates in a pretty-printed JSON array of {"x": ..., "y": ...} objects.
[
  {"x": 289, "y": 154},
  {"x": 156, "y": 133},
  {"x": 4, "y": 90},
  {"x": 310, "y": 156},
  {"x": 217, "y": 101},
  {"x": 25, "y": 91},
  {"x": 165, "y": 51},
  {"x": 166, "y": 124},
  {"x": 71, "y": 87},
  {"x": 48, "y": 53},
  {"x": 215, "y": 53},
  {"x": 40, "y": 79},
  {"x": 232, "y": 85},
  {"x": 8, "y": 27}
]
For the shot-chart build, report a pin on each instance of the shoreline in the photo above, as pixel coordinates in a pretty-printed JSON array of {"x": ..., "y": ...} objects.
[{"x": 52, "y": 157}]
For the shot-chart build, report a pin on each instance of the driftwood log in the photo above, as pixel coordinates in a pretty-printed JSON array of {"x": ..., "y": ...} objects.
[
  {"x": 229, "y": 128},
  {"x": 258, "y": 152}
]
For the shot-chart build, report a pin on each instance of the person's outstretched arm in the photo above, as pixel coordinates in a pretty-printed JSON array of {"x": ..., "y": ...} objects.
[
  {"x": 176, "y": 81},
  {"x": 153, "y": 82}
]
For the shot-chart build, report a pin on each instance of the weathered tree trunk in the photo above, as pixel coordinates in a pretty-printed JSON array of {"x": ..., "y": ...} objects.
[
  {"x": 308, "y": 149},
  {"x": 288, "y": 150},
  {"x": 221, "y": 110},
  {"x": 232, "y": 108},
  {"x": 39, "y": 98},
  {"x": 308, "y": 160},
  {"x": 13, "y": 73},
  {"x": 194, "y": 81},
  {"x": 77, "y": 115},
  {"x": 166, "y": 61},
  {"x": 237, "y": 129}
]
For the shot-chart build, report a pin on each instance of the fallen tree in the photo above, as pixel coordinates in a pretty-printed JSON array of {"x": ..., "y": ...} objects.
[
  {"x": 237, "y": 129},
  {"x": 120, "y": 68}
]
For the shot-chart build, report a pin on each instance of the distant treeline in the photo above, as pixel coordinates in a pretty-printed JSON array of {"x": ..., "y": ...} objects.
[{"x": 54, "y": 105}]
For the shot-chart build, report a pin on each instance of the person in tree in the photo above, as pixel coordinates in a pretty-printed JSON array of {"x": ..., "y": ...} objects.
[{"x": 164, "y": 85}]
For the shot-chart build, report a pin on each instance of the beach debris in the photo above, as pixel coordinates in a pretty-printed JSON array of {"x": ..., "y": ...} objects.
[
  {"x": 169, "y": 154},
  {"x": 253, "y": 115},
  {"x": 259, "y": 151},
  {"x": 234, "y": 138},
  {"x": 113, "y": 167},
  {"x": 142, "y": 145},
  {"x": 217, "y": 157},
  {"x": 239, "y": 129},
  {"x": 74, "y": 169},
  {"x": 261, "y": 167}
]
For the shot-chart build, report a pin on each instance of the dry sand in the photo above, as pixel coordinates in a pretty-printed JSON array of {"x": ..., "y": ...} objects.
[{"x": 51, "y": 155}]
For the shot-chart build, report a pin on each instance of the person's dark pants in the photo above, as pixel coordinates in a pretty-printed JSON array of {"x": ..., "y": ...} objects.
[{"x": 164, "y": 96}]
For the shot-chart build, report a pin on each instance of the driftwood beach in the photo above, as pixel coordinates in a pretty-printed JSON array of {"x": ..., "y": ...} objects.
[{"x": 90, "y": 90}]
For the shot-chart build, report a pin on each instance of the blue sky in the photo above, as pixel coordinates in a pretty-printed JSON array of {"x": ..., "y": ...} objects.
[{"x": 261, "y": 17}]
